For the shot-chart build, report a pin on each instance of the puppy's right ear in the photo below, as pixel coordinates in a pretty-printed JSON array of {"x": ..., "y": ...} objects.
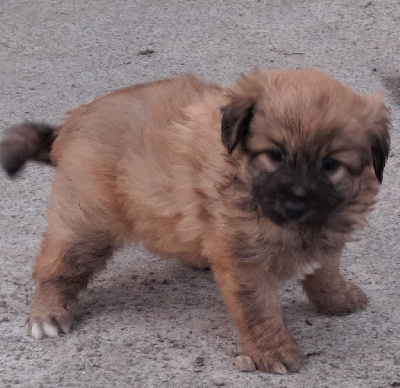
[
  {"x": 378, "y": 123},
  {"x": 235, "y": 121}
]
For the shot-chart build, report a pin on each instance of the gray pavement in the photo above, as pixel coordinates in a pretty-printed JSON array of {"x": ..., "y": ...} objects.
[{"x": 146, "y": 322}]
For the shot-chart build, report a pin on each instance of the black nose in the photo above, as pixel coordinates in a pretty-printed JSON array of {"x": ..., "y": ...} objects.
[{"x": 295, "y": 208}]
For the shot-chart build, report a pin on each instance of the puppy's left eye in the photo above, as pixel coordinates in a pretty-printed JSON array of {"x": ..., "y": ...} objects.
[
  {"x": 275, "y": 155},
  {"x": 330, "y": 164}
]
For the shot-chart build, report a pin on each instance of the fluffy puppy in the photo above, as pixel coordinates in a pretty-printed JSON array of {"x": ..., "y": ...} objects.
[{"x": 263, "y": 181}]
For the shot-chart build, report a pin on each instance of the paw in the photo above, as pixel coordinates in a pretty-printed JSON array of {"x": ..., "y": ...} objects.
[
  {"x": 51, "y": 325},
  {"x": 282, "y": 360},
  {"x": 345, "y": 300}
]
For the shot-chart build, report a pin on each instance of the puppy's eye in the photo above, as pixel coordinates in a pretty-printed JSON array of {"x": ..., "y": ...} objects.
[
  {"x": 330, "y": 164},
  {"x": 275, "y": 155}
]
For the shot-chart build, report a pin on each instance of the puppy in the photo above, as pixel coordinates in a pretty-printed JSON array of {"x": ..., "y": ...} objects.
[{"x": 262, "y": 182}]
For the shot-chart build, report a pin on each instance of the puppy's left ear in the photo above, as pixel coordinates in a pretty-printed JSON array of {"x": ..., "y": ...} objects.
[
  {"x": 235, "y": 121},
  {"x": 379, "y": 137}
]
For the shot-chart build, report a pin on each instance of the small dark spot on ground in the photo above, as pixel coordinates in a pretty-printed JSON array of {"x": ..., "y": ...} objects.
[
  {"x": 313, "y": 354},
  {"x": 199, "y": 361},
  {"x": 147, "y": 52}
]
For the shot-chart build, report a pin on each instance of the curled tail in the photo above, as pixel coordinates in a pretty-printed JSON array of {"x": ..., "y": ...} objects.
[{"x": 26, "y": 141}]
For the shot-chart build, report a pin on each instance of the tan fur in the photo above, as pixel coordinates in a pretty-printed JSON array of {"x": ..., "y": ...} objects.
[{"x": 147, "y": 163}]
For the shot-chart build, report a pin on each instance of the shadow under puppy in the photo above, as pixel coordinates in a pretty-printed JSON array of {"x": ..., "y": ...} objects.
[{"x": 263, "y": 181}]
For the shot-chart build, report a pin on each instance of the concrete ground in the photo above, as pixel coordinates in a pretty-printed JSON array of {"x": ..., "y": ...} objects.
[{"x": 157, "y": 323}]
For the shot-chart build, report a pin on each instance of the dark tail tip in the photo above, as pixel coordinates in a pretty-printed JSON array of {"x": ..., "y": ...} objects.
[{"x": 23, "y": 142}]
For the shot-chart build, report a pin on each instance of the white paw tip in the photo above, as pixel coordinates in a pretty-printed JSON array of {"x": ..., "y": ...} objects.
[
  {"x": 280, "y": 369},
  {"x": 66, "y": 328},
  {"x": 50, "y": 330},
  {"x": 244, "y": 363},
  {"x": 36, "y": 331}
]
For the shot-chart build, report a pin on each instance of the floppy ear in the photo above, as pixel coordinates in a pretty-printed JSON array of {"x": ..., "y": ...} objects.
[
  {"x": 380, "y": 152},
  {"x": 235, "y": 121},
  {"x": 378, "y": 123}
]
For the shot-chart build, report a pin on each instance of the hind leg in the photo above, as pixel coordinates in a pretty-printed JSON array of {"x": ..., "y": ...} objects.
[
  {"x": 62, "y": 269},
  {"x": 80, "y": 237}
]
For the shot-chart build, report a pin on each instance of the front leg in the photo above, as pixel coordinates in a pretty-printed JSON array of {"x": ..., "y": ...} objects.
[
  {"x": 331, "y": 293},
  {"x": 252, "y": 298}
]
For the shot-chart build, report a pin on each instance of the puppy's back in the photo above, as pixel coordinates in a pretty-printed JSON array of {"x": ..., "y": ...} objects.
[{"x": 120, "y": 118}]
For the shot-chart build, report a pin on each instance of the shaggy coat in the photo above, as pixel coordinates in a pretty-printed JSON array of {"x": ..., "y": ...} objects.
[{"x": 262, "y": 182}]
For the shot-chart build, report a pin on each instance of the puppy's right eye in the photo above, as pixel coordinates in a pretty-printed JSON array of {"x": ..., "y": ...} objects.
[
  {"x": 275, "y": 155},
  {"x": 330, "y": 165}
]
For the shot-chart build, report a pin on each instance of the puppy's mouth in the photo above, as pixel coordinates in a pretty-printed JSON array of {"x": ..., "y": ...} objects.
[{"x": 294, "y": 212}]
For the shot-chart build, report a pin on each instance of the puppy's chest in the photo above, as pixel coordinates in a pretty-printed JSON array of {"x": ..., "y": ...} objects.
[
  {"x": 286, "y": 257},
  {"x": 297, "y": 259}
]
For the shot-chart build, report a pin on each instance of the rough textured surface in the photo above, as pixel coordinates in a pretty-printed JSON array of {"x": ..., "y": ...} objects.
[{"x": 146, "y": 322}]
